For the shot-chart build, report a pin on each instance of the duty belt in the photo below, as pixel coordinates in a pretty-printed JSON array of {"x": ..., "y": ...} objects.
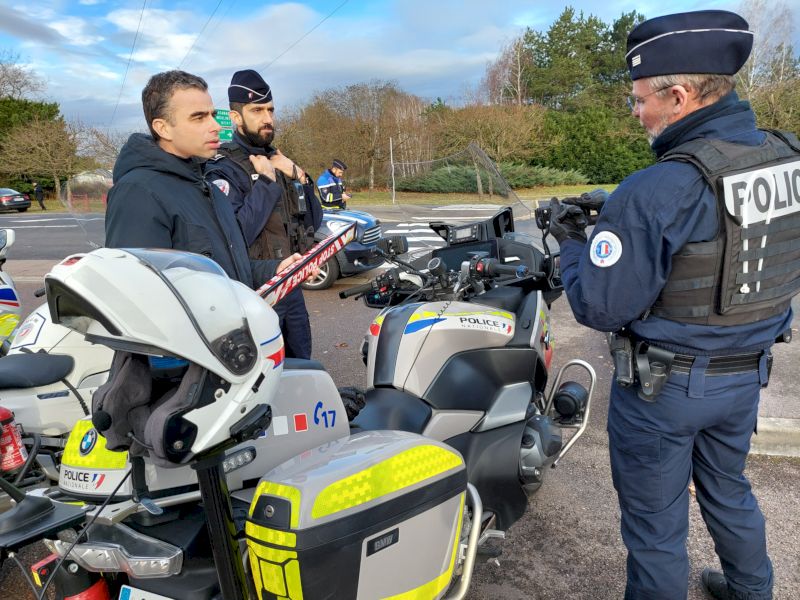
[{"x": 720, "y": 365}]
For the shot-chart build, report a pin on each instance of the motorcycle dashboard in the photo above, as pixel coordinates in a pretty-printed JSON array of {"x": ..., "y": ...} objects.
[{"x": 453, "y": 256}]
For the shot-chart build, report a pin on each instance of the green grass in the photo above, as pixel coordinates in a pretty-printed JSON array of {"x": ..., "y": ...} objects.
[{"x": 365, "y": 198}]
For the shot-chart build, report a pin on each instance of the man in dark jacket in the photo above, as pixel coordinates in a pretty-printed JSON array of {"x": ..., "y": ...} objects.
[
  {"x": 331, "y": 186},
  {"x": 272, "y": 197},
  {"x": 160, "y": 199},
  {"x": 693, "y": 262},
  {"x": 38, "y": 193}
]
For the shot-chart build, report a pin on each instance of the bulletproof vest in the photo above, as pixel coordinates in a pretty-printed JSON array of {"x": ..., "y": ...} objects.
[
  {"x": 284, "y": 232},
  {"x": 751, "y": 270}
]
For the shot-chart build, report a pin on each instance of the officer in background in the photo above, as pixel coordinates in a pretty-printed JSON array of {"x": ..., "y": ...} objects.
[
  {"x": 272, "y": 197},
  {"x": 331, "y": 186},
  {"x": 695, "y": 259}
]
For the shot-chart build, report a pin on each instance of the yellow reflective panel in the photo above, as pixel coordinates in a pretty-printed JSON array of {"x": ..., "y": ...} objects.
[
  {"x": 396, "y": 473},
  {"x": 98, "y": 457},
  {"x": 266, "y": 535},
  {"x": 8, "y": 322}
]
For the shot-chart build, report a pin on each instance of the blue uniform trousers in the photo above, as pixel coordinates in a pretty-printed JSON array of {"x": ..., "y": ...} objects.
[
  {"x": 699, "y": 428},
  {"x": 295, "y": 326}
]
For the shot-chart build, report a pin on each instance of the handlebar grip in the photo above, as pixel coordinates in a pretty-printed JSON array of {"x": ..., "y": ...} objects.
[
  {"x": 39, "y": 293},
  {"x": 494, "y": 269},
  {"x": 355, "y": 291}
]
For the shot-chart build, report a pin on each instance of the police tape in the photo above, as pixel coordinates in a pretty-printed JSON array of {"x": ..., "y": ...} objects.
[{"x": 284, "y": 282}]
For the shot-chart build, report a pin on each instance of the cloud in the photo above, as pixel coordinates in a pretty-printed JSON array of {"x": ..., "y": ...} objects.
[{"x": 76, "y": 31}]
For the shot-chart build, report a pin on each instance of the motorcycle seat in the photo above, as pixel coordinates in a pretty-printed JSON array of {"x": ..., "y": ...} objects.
[
  {"x": 33, "y": 370},
  {"x": 504, "y": 297}
]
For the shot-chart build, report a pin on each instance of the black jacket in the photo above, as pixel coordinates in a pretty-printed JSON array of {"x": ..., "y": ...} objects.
[{"x": 161, "y": 201}]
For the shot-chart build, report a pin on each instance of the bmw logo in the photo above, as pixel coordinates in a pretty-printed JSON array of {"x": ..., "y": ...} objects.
[{"x": 88, "y": 441}]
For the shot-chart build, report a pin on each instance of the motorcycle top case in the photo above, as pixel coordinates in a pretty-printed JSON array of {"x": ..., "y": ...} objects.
[{"x": 373, "y": 515}]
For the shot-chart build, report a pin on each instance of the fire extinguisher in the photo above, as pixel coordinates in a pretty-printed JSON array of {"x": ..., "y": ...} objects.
[{"x": 12, "y": 451}]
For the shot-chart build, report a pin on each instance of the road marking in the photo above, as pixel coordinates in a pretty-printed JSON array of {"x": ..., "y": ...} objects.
[{"x": 42, "y": 226}]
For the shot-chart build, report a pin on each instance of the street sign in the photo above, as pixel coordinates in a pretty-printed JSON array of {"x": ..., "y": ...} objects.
[{"x": 223, "y": 117}]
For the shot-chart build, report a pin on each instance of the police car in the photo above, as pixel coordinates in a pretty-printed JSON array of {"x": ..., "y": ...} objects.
[{"x": 358, "y": 256}]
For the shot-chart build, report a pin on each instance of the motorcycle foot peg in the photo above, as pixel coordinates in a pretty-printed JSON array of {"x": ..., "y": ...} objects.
[{"x": 151, "y": 507}]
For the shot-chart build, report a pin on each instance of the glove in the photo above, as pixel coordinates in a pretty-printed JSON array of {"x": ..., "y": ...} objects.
[
  {"x": 590, "y": 202},
  {"x": 567, "y": 222},
  {"x": 353, "y": 400}
]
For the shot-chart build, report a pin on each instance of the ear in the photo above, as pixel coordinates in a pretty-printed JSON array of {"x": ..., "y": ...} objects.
[
  {"x": 162, "y": 128},
  {"x": 237, "y": 118},
  {"x": 682, "y": 99}
]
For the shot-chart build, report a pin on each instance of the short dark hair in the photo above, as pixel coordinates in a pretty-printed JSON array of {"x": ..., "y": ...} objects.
[
  {"x": 158, "y": 92},
  {"x": 238, "y": 107}
]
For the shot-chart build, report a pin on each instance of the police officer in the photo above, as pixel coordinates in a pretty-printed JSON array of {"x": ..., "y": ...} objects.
[
  {"x": 273, "y": 198},
  {"x": 696, "y": 260},
  {"x": 331, "y": 186}
]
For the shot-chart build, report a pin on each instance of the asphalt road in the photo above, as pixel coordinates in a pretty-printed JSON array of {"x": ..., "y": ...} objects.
[{"x": 568, "y": 543}]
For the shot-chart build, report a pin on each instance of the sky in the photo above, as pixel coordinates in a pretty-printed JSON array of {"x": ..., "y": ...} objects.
[{"x": 431, "y": 48}]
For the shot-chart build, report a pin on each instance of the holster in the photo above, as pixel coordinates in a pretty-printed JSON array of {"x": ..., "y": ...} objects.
[
  {"x": 619, "y": 345},
  {"x": 653, "y": 366}
]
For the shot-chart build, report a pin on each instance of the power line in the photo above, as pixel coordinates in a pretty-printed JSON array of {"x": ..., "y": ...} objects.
[
  {"x": 305, "y": 35},
  {"x": 202, "y": 29},
  {"x": 128, "y": 66}
]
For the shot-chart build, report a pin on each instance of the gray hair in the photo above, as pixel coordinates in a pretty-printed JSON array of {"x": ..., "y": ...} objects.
[{"x": 709, "y": 87}]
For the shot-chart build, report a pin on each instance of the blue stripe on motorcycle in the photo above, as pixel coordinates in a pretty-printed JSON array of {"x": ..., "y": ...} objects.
[{"x": 421, "y": 324}]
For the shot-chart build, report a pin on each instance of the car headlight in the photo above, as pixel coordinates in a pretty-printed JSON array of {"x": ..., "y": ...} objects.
[{"x": 336, "y": 225}]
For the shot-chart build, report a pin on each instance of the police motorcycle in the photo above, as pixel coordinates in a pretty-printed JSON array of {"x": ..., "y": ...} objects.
[
  {"x": 461, "y": 352},
  {"x": 236, "y": 475},
  {"x": 9, "y": 299}
]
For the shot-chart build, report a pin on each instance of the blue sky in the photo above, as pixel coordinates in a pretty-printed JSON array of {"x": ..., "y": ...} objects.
[{"x": 433, "y": 48}]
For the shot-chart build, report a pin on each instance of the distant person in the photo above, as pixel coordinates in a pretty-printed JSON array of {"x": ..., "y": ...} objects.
[
  {"x": 38, "y": 193},
  {"x": 331, "y": 186},
  {"x": 159, "y": 198},
  {"x": 273, "y": 198}
]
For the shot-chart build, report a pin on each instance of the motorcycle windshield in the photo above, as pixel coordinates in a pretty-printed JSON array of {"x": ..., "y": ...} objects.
[{"x": 462, "y": 188}]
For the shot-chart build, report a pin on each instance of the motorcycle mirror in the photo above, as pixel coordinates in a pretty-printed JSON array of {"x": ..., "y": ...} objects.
[{"x": 393, "y": 244}]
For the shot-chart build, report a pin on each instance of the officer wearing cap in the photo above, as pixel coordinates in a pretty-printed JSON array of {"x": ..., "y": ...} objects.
[
  {"x": 704, "y": 246},
  {"x": 272, "y": 197},
  {"x": 331, "y": 186}
]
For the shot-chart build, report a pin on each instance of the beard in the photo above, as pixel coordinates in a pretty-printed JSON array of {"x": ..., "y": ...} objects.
[
  {"x": 258, "y": 138},
  {"x": 657, "y": 129}
]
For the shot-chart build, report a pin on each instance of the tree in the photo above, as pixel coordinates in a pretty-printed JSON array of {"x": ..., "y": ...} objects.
[
  {"x": 43, "y": 147},
  {"x": 102, "y": 145},
  {"x": 16, "y": 81}
]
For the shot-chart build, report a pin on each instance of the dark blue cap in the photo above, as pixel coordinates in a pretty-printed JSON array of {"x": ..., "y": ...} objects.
[
  {"x": 705, "y": 41},
  {"x": 248, "y": 87},
  {"x": 337, "y": 164}
]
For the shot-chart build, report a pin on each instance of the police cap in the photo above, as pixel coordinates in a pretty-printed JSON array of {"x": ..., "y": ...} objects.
[
  {"x": 704, "y": 41},
  {"x": 337, "y": 164},
  {"x": 248, "y": 87}
]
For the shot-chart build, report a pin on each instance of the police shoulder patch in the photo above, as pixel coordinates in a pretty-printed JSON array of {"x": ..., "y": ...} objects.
[
  {"x": 223, "y": 185},
  {"x": 606, "y": 249}
]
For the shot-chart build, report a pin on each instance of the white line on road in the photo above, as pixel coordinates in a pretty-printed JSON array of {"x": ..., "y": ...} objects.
[{"x": 42, "y": 226}]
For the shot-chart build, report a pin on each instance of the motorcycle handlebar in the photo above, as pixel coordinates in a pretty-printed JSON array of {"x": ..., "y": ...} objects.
[
  {"x": 495, "y": 269},
  {"x": 355, "y": 291}
]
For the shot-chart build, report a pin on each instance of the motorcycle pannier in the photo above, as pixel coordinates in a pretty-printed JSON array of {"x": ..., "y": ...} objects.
[{"x": 372, "y": 515}]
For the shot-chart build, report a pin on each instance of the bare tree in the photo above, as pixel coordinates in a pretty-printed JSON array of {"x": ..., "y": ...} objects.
[
  {"x": 505, "y": 79},
  {"x": 772, "y": 56},
  {"x": 16, "y": 81},
  {"x": 101, "y": 145},
  {"x": 43, "y": 148}
]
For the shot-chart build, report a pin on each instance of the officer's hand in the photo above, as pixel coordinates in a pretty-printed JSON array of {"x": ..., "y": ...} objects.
[
  {"x": 590, "y": 202},
  {"x": 567, "y": 222},
  {"x": 290, "y": 262},
  {"x": 286, "y": 166},
  {"x": 263, "y": 166}
]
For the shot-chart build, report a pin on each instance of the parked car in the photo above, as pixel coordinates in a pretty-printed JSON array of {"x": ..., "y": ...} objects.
[
  {"x": 14, "y": 200},
  {"x": 358, "y": 256}
]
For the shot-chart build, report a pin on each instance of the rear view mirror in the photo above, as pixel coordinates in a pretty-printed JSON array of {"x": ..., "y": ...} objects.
[{"x": 393, "y": 245}]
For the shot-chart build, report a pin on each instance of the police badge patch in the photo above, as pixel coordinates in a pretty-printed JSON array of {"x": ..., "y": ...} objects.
[
  {"x": 606, "y": 249},
  {"x": 223, "y": 185}
]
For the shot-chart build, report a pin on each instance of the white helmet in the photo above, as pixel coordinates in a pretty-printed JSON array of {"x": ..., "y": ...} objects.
[{"x": 167, "y": 303}]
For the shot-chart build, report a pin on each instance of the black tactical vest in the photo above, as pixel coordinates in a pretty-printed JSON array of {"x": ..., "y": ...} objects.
[
  {"x": 751, "y": 270},
  {"x": 284, "y": 232}
]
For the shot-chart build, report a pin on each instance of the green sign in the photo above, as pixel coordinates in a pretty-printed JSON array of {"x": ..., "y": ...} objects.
[{"x": 223, "y": 117}]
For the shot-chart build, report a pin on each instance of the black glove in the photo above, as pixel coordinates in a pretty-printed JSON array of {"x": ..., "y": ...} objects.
[
  {"x": 353, "y": 400},
  {"x": 567, "y": 222},
  {"x": 590, "y": 202}
]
